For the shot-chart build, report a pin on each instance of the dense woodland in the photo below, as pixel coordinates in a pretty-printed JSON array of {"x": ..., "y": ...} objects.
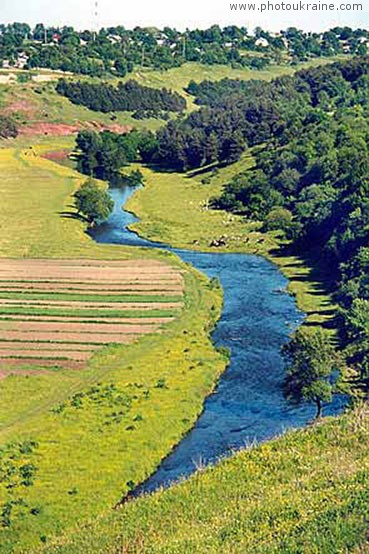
[
  {"x": 116, "y": 50},
  {"x": 129, "y": 96},
  {"x": 310, "y": 139},
  {"x": 103, "y": 154}
]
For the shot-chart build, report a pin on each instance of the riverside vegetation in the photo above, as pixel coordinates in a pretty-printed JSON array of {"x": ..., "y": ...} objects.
[
  {"x": 311, "y": 187},
  {"x": 306, "y": 491}
]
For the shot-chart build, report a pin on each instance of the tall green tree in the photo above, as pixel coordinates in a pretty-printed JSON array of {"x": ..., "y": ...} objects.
[
  {"x": 312, "y": 363},
  {"x": 93, "y": 202}
]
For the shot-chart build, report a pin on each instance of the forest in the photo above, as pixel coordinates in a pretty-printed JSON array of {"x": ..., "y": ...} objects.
[
  {"x": 238, "y": 114},
  {"x": 117, "y": 50},
  {"x": 129, "y": 96},
  {"x": 103, "y": 155}
]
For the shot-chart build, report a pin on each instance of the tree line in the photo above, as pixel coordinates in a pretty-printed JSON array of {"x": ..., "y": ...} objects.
[
  {"x": 103, "y": 155},
  {"x": 129, "y": 96},
  {"x": 117, "y": 51}
]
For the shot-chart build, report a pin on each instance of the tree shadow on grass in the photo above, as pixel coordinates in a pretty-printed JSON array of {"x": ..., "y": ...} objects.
[
  {"x": 321, "y": 278},
  {"x": 331, "y": 323},
  {"x": 73, "y": 215}
]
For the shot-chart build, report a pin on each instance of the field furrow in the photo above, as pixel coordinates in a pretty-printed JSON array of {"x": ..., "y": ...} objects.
[{"x": 56, "y": 312}]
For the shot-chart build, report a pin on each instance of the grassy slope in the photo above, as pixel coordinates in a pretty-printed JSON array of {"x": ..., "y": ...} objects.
[
  {"x": 45, "y": 105},
  {"x": 304, "y": 493},
  {"x": 84, "y": 449},
  {"x": 178, "y": 78}
]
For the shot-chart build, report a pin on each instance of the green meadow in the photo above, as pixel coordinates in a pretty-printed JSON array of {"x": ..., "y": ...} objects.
[
  {"x": 74, "y": 442},
  {"x": 306, "y": 492}
]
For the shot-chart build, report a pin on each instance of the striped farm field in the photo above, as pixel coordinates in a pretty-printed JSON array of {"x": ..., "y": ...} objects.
[{"x": 79, "y": 288}]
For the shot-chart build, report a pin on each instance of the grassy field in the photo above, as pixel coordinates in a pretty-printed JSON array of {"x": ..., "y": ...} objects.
[
  {"x": 304, "y": 493},
  {"x": 73, "y": 442}
]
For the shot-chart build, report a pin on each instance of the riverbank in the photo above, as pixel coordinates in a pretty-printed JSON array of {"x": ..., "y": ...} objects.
[
  {"x": 256, "y": 320},
  {"x": 174, "y": 208}
]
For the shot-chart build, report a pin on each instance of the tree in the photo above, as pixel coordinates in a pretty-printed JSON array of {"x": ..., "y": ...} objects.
[
  {"x": 93, "y": 202},
  {"x": 312, "y": 363},
  {"x": 8, "y": 128},
  {"x": 278, "y": 219}
]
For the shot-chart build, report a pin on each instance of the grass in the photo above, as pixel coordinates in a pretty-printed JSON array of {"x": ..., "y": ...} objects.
[
  {"x": 87, "y": 457},
  {"x": 306, "y": 492},
  {"x": 40, "y": 103},
  {"x": 90, "y": 297},
  {"x": 92, "y": 313}
]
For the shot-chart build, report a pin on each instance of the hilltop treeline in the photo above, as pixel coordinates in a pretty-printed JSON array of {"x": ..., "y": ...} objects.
[
  {"x": 116, "y": 50},
  {"x": 8, "y": 128},
  {"x": 238, "y": 114},
  {"x": 129, "y": 96}
]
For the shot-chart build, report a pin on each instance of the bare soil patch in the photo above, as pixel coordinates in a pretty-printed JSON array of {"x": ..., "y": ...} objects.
[
  {"x": 59, "y": 327},
  {"x": 148, "y": 289},
  {"x": 84, "y": 338},
  {"x": 50, "y": 129},
  {"x": 22, "y": 106},
  {"x": 64, "y": 129},
  {"x": 56, "y": 155},
  {"x": 36, "y": 346}
]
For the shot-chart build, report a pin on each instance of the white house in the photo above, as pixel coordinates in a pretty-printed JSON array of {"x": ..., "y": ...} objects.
[{"x": 262, "y": 42}]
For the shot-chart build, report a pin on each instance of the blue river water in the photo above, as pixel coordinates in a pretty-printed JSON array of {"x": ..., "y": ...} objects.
[{"x": 258, "y": 315}]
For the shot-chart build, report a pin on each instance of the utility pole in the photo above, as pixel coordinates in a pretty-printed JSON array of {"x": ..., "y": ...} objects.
[
  {"x": 45, "y": 35},
  {"x": 95, "y": 24},
  {"x": 184, "y": 46}
]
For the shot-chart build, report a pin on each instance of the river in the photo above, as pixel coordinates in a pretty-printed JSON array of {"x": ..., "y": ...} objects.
[{"x": 258, "y": 315}]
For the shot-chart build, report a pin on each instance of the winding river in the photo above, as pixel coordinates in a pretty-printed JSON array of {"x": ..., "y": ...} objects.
[{"x": 258, "y": 315}]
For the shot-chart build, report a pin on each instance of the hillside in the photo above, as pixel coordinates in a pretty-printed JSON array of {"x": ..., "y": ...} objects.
[
  {"x": 305, "y": 492},
  {"x": 106, "y": 350}
]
